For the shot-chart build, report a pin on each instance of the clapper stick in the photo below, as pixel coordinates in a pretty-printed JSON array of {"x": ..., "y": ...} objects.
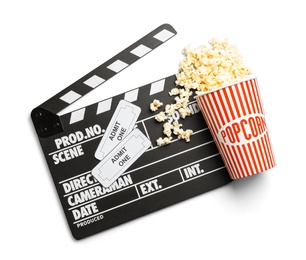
[{"x": 44, "y": 117}]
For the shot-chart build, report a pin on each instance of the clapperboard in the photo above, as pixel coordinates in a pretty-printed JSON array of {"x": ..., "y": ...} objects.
[{"x": 75, "y": 146}]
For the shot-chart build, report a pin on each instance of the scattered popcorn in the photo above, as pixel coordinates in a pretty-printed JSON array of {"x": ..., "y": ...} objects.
[
  {"x": 168, "y": 125},
  {"x": 155, "y": 105},
  {"x": 177, "y": 130},
  {"x": 160, "y": 117},
  {"x": 184, "y": 112},
  {"x": 163, "y": 141},
  {"x": 181, "y": 102},
  {"x": 176, "y": 127},
  {"x": 167, "y": 140},
  {"x": 168, "y": 129},
  {"x": 167, "y": 132},
  {"x": 207, "y": 68},
  {"x": 169, "y": 109},
  {"x": 185, "y": 93},
  {"x": 185, "y": 135}
]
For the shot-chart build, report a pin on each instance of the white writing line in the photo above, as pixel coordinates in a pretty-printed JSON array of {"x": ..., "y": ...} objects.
[
  {"x": 144, "y": 127},
  {"x": 137, "y": 191},
  {"x": 181, "y": 175}
]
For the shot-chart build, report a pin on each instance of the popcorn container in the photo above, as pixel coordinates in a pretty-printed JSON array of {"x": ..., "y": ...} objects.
[{"x": 235, "y": 117}]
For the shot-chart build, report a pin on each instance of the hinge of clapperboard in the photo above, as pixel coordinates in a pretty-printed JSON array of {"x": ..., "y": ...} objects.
[{"x": 45, "y": 119}]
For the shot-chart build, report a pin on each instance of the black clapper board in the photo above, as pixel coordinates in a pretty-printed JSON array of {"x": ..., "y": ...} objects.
[{"x": 160, "y": 177}]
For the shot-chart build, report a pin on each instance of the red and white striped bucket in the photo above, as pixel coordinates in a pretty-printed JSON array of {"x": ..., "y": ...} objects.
[{"x": 235, "y": 117}]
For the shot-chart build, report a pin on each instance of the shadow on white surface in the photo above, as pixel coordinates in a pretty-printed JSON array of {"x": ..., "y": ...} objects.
[
  {"x": 248, "y": 192},
  {"x": 246, "y": 184}
]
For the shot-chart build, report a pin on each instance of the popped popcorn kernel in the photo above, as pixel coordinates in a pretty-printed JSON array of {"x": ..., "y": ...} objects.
[
  {"x": 176, "y": 127},
  {"x": 167, "y": 129},
  {"x": 163, "y": 141},
  {"x": 181, "y": 102},
  {"x": 170, "y": 109},
  {"x": 155, "y": 105},
  {"x": 160, "y": 117},
  {"x": 174, "y": 92},
  {"x": 160, "y": 141},
  {"x": 184, "y": 112},
  {"x": 168, "y": 125},
  {"x": 185, "y": 135},
  {"x": 185, "y": 93}
]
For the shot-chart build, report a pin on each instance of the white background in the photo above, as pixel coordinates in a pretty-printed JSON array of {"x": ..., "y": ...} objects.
[{"x": 47, "y": 46}]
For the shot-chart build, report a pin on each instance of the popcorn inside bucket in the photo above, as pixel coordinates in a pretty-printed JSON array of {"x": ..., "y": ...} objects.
[{"x": 208, "y": 68}]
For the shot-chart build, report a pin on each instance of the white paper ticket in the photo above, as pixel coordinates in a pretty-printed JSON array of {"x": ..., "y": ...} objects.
[
  {"x": 121, "y": 158},
  {"x": 120, "y": 126}
]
